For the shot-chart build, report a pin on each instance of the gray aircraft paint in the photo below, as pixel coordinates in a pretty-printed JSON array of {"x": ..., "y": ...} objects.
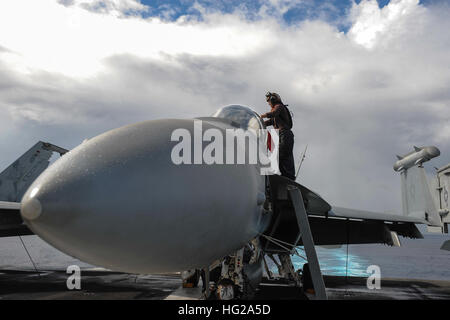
[
  {"x": 16, "y": 178},
  {"x": 440, "y": 189},
  {"x": 443, "y": 182},
  {"x": 416, "y": 196},
  {"x": 119, "y": 202},
  {"x": 419, "y": 196},
  {"x": 416, "y": 157}
]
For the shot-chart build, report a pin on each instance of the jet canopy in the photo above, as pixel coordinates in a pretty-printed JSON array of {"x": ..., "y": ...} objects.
[{"x": 245, "y": 117}]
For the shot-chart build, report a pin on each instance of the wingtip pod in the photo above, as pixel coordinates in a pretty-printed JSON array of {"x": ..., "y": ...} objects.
[
  {"x": 432, "y": 151},
  {"x": 417, "y": 157}
]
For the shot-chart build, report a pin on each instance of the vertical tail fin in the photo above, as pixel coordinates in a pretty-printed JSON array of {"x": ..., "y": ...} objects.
[
  {"x": 16, "y": 178},
  {"x": 417, "y": 198}
]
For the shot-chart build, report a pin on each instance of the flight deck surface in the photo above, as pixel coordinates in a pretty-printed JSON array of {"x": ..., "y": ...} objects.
[{"x": 104, "y": 285}]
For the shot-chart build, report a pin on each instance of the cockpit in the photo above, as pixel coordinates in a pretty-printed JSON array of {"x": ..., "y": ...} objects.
[{"x": 243, "y": 117}]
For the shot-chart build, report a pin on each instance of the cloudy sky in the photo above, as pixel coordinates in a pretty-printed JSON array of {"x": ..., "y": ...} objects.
[{"x": 365, "y": 80}]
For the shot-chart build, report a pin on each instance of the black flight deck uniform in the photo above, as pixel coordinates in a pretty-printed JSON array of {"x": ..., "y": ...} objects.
[{"x": 280, "y": 118}]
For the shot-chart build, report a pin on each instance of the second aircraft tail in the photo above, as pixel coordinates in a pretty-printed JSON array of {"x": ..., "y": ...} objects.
[{"x": 417, "y": 196}]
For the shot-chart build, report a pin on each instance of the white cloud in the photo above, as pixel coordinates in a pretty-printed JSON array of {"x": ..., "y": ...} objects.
[
  {"x": 112, "y": 7},
  {"x": 73, "y": 41},
  {"x": 67, "y": 73},
  {"x": 370, "y": 23},
  {"x": 282, "y": 6}
]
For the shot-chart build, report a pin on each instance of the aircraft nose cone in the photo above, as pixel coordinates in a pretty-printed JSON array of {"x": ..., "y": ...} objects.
[
  {"x": 433, "y": 151},
  {"x": 120, "y": 202},
  {"x": 31, "y": 209}
]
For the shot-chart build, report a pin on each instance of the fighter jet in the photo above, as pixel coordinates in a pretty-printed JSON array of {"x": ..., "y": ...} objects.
[{"x": 120, "y": 201}]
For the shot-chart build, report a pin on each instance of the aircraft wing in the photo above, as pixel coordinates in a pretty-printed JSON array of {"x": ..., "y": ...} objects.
[
  {"x": 14, "y": 206},
  {"x": 339, "y": 212},
  {"x": 11, "y": 223},
  {"x": 333, "y": 225}
]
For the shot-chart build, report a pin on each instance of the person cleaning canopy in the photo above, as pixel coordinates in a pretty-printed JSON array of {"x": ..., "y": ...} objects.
[{"x": 280, "y": 118}]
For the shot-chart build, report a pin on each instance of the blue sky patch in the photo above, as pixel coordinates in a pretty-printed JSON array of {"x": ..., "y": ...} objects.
[{"x": 334, "y": 12}]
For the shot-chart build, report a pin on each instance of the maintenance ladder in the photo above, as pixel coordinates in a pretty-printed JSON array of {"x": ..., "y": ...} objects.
[{"x": 291, "y": 226}]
